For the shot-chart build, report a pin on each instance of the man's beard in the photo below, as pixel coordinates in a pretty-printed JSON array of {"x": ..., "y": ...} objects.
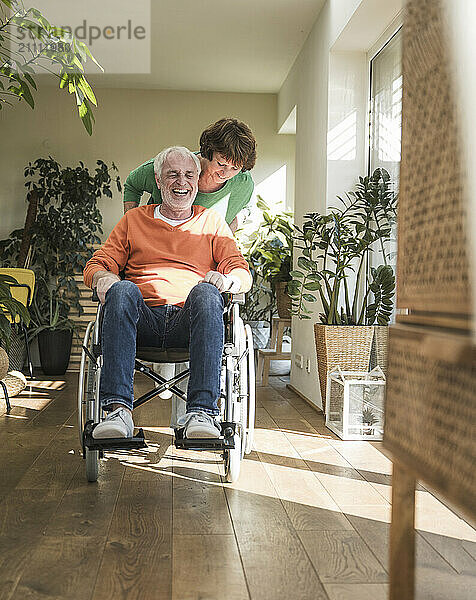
[{"x": 175, "y": 204}]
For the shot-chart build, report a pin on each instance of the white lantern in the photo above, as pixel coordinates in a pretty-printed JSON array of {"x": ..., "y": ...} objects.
[{"x": 355, "y": 404}]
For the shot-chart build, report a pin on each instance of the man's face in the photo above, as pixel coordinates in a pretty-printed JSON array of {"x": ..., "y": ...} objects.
[{"x": 179, "y": 181}]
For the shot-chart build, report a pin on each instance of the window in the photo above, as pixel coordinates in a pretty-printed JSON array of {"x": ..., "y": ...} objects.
[
  {"x": 386, "y": 125},
  {"x": 386, "y": 108}
]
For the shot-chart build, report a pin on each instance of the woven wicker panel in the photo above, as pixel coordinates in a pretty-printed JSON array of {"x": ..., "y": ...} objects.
[
  {"x": 16, "y": 351},
  {"x": 3, "y": 363},
  {"x": 346, "y": 346},
  {"x": 433, "y": 265},
  {"x": 430, "y": 414}
]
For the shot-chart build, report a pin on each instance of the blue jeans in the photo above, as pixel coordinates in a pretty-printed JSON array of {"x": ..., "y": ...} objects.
[{"x": 128, "y": 322}]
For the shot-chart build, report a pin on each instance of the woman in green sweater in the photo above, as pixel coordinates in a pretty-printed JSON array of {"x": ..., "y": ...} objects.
[{"x": 227, "y": 154}]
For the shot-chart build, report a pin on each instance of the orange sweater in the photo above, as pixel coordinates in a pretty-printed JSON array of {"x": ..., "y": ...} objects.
[{"x": 166, "y": 262}]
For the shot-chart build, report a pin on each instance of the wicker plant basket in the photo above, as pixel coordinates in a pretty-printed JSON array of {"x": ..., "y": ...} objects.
[
  {"x": 15, "y": 381},
  {"x": 379, "y": 347},
  {"x": 346, "y": 346},
  {"x": 283, "y": 300}
]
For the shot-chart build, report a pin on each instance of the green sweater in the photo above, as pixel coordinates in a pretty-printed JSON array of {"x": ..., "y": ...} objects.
[{"x": 228, "y": 201}]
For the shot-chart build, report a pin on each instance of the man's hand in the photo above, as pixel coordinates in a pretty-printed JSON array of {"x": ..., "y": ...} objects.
[
  {"x": 103, "y": 283},
  {"x": 224, "y": 283}
]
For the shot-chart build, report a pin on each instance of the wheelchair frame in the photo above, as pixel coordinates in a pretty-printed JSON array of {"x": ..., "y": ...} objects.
[{"x": 237, "y": 399}]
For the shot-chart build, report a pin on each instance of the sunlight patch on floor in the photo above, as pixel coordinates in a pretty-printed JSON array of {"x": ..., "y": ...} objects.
[
  {"x": 163, "y": 430},
  {"x": 31, "y": 403},
  {"x": 316, "y": 435},
  {"x": 47, "y": 384},
  {"x": 10, "y": 416},
  {"x": 433, "y": 516}
]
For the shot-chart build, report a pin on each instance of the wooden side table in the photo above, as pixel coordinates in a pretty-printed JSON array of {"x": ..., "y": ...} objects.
[{"x": 266, "y": 355}]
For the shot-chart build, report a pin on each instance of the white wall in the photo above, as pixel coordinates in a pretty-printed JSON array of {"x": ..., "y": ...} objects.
[
  {"x": 348, "y": 29},
  {"x": 131, "y": 127}
]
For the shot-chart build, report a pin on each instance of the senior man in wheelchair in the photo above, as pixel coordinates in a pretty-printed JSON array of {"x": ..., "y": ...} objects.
[{"x": 177, "y": 259}]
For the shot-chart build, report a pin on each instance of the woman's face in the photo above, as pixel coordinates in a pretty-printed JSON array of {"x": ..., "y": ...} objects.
[{"x": 221, "y": 169}]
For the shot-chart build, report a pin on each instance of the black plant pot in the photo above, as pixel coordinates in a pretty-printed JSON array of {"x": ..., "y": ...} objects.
[{"x": 55, "y": 347}]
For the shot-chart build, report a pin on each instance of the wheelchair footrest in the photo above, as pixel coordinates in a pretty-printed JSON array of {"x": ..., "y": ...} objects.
[
  {"x": 224, "y": 442},
  {"x": 132, "y": 443}
]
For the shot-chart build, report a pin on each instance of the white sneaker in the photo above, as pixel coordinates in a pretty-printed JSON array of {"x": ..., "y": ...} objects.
[
  {"x": 199, "y": 424},
  {"x": 117, "y": 424}
]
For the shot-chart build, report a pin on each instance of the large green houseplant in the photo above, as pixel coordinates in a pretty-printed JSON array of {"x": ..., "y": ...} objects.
[
  {"x": 345, "y": 262},
  {"x": 268, "y": 251},
  {"x": 269, "y": 248},
  {"x": 67, "y": 225}
]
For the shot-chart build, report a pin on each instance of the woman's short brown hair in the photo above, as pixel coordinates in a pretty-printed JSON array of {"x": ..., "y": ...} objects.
[{"x": 233, "y": 140}]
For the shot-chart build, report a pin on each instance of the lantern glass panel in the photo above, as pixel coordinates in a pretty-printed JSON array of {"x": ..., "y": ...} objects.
[{"x": 355, "y": 404}]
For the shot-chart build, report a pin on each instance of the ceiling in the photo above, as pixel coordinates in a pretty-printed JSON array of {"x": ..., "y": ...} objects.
[{"x": 221, "y": 45}]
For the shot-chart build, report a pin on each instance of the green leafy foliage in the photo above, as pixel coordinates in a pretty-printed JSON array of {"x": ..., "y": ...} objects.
[
  {"x": 268, "y": 251},
  {"x": 382, "y": 286},
  {"x": 67, "y": 226},
  {"x": 368, "y": 416},
  {"x": 335, "y": 245},
  {"x": 9, "y": 305},
  {"x": 47, "y": 310},
  {"x": 48, "y": 48}
]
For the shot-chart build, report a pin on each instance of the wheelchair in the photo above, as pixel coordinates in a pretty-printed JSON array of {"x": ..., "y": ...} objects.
[{"x": 236, "y": 402}]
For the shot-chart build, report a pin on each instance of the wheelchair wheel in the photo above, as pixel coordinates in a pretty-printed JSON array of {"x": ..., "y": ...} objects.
[
  {"x": 233, "y": 460},
  {"x": 87, "y": 401},
  {"x": 86, "y": 372},
  {"x": 92, "y": 465},
  {"x": 242, "y": 381},
  {"x": 251, "y": 391}
]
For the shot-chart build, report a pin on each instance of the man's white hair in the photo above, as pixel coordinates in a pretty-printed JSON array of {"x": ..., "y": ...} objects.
[{"x": 162, "y": 157}]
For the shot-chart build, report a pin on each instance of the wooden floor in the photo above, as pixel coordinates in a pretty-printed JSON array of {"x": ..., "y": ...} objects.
[{"x": 308, "y": 518}]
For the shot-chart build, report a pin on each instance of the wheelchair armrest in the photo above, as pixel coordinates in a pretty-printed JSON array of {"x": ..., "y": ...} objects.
[
  {"x": 238, "y": 298},
  {"x": 233, "y": 298}
]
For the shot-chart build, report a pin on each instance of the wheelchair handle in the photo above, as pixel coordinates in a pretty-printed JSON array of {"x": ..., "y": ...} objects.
[{"x": 95, "y": 297}]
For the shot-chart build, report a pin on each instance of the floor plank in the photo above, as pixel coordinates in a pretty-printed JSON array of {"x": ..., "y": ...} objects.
[
  {"x": 357, "y": 591},
  {"x": 342, "y": 557},
  {"x": 215, "y": 563},
  {"x": 275, "y": 562},
  {"x": 137, "y": 563},
  {"x": 61, "y": 567}
]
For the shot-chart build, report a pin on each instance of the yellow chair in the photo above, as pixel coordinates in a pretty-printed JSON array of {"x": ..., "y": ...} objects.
[{"x": 23, "y": 292}]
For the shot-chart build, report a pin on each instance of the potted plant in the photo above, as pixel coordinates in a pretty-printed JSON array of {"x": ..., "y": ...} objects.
[
  {"x": 269, "y": 254},
  {"x": 67, "y": 225},
  {"x": 336, "y": 263},
  {"x": 368, "y": 421},
  {"x": 50, "y": 321},
  {"x": 255, "y": 312}
]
